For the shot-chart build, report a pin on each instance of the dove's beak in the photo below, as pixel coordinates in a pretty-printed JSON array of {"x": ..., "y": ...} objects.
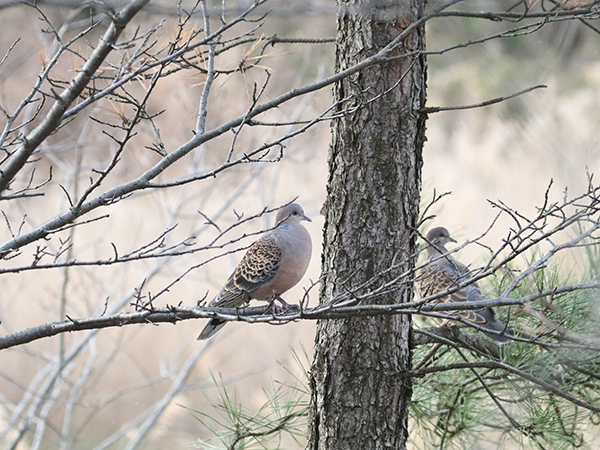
[{"x": 306, "y": 218}]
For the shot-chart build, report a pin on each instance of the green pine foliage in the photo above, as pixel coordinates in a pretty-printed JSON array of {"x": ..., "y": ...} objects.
[
  {"x": 539, "y": 395},
  {"x": 280, "y": 419}
]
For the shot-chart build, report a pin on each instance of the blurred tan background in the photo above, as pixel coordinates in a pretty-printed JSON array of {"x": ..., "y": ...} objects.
[{"x": 509, "y": 151}]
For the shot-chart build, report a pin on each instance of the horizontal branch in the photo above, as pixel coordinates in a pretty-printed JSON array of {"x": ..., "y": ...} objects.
[
  {"x": 575, "y": 13},
  {"x": 256, "y": 314},
  {"x": 174, "y": 314},
  {"x": 468, "y": 341},
  {"x": 435, "y": 109}
]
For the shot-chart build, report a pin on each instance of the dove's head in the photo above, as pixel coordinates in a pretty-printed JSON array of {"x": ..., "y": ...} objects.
[
  {"x": 292, "y": 213},
  {"x": 438, "y": 237}
]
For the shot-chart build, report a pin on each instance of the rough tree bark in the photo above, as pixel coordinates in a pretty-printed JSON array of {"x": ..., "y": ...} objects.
[{"x": 359, "y": 398}]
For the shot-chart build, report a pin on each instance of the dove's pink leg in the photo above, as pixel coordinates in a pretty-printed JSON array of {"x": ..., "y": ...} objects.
[{"x": 280, "y": 309}]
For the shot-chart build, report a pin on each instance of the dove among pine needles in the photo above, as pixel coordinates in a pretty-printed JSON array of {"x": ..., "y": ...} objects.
[{"x": 443, "y": 272}]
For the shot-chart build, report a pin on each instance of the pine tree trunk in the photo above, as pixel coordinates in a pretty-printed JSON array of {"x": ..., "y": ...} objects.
[{"x": 359, "y": 398}]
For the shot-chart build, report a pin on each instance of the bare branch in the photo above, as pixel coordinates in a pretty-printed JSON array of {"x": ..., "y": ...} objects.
[
  {"x": 201, "y": 123},
  {"x": 64, "y": 100},
  {"x": 493, "y": 101}
]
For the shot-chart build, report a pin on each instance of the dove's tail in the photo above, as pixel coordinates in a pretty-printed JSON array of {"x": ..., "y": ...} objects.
[
  {"x": 500, "y": 332},
  {"x": 211, "y": 328}
]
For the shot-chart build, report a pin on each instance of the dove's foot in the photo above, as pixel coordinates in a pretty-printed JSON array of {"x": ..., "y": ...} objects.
[{"x": 282, "y": 308}]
